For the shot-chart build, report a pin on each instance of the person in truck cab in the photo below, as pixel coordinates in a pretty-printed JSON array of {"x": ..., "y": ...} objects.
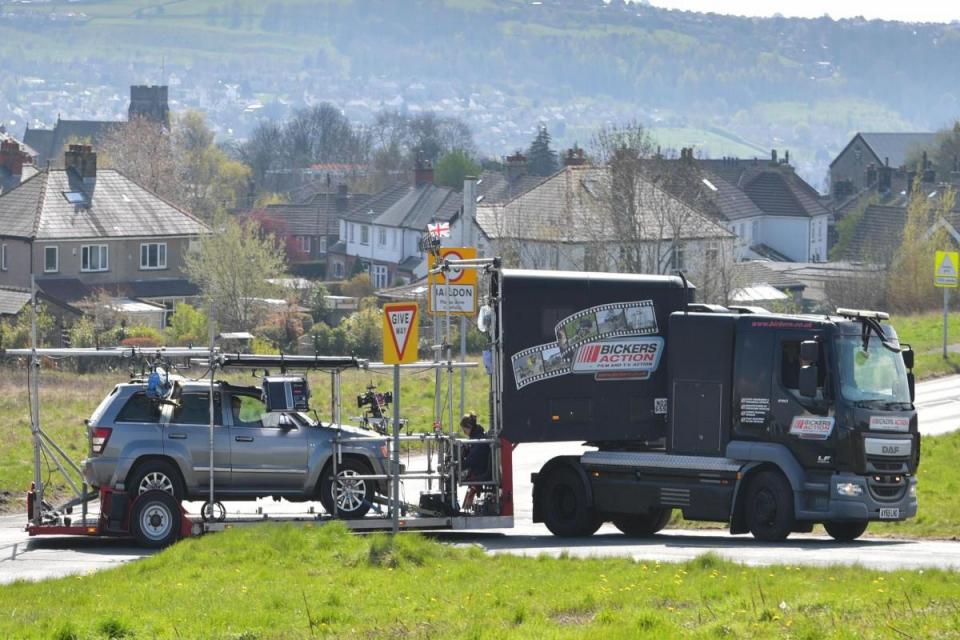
[{"x": 476, "y": 458}]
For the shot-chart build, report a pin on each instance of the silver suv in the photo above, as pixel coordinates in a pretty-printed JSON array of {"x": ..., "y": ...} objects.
[{"x": 138, "y": 444}]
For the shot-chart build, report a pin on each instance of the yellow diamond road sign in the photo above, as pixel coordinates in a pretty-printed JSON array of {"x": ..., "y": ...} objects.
[
  {"x": 401, "y": 328},
  {"x": 945, "y": 269}
]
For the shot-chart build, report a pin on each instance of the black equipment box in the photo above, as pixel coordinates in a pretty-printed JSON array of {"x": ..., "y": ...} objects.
[
  {"x": 584, "y": 354},
  {"x": 286, "y": 393}
]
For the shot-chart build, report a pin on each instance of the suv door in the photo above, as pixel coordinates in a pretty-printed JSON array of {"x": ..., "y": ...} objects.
[
  {"x": 188, "y": 437},
  {"x": 269, "y": 450}
]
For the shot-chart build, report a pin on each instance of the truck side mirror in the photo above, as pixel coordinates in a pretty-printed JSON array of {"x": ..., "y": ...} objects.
[
  {"x": 809, "y": 352},
  {"x": 808, "y": 381},
  {"x": 907, "y": 357}
]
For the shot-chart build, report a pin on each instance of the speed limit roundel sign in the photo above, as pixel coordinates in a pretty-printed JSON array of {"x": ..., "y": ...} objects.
[{"x": 453, "y": 275}]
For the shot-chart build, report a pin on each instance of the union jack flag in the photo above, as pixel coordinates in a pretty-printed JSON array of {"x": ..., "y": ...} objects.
[{"x": 439, "y": 229}]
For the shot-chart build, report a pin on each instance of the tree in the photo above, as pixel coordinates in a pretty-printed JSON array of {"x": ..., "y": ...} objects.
[
  {"x": 541, "y": 159},
  {"x": 359, "y": 286},
  {"x": 210, "y": 182},
  {"x": 910, "y": 279},
  {"x": 143, "y": 151},
  {"x": 232, "y": 267},
  {"x": 453, "y": 167}
]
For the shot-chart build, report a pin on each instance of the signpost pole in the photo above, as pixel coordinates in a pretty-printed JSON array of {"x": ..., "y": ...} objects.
[
  {"x": 395, "y": 458},
  {"x": 946, "y": 307},
  {"x": 946, "y": 275}
]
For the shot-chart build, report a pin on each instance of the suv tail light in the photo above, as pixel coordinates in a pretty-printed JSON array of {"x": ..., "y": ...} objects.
[{"x": 98, "y": 439}]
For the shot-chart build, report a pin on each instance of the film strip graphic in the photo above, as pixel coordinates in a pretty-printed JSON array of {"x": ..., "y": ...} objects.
[
  {"x": 590, "y": 325},
  {"x": 539, "y": 363},
  {"x": 605, "y": 321}
]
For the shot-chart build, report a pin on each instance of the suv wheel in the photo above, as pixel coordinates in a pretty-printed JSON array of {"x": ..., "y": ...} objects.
[
  {"x": 156, "y": 475},
  {"x": 353, "y": 497}
]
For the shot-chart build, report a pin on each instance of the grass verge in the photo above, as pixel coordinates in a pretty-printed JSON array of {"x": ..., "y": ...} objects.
[
  {"x": 279, "y": 581},
  {"x": 924, "y": 332}
]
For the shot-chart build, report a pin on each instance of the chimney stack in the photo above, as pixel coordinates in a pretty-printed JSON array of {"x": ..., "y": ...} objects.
[
  {"x": 82, "y": 160},
  {"x": 342, "y": 199},
  {"x": 12, "y": 158},
  {"x": 773, "y": 156},
  {"x": 516, "y": 166},
  {"x": 574, "y": 158},
  {"x": 422, "y": 172}
]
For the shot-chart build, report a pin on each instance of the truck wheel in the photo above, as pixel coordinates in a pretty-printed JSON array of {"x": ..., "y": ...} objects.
[
  {"x": 845, "y": 531},
  {"x": 563, "y": 503},
  {"x": 155, "y": 475},
  {"x": 155, "y": 519},
  {"x": 642, "y": 525},
  {"x": 353, "y": 497},
  {"x": 770, "y": 507}
]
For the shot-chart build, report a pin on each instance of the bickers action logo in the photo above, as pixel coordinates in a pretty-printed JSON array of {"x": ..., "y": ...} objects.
[{"x": 636, "y": 357}]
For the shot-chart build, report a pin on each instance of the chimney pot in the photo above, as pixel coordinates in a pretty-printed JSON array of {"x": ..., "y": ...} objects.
[
  {"x": 574, "y": 158},
  {"x": 773, "y": 156},
  {"x": 423, "y": 172},
  {"x": 82, "y": 160}
]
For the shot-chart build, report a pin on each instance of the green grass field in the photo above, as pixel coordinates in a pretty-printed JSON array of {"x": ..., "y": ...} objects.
[
  {"x": 280, "y": 581},
  {"x": 924, "y": 332}
]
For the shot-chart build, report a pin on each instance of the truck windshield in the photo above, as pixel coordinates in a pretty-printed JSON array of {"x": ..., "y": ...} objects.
[{"x": 875, "y": 377}]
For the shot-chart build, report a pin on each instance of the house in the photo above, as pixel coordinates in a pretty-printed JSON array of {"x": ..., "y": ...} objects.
[
  {"x": 78, "y": 229},
  {"x": 310, "y": 228},
  {"x": 775, "y": 214},
  {"x": 494, "y": 187},
  {"x": 869, "y": 151},
  {"x": 145, "y": 101},
  {"x": 566, "y": 222},
  {"x": 383, "y": 233}
]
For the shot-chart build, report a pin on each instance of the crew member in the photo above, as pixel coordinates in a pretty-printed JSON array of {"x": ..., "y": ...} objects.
[{"x": 476, "y": 458}]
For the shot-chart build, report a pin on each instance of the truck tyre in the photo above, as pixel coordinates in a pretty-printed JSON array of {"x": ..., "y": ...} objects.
[
  {"x": 353, "y": 497},
  {"x": 155, "y": 519},
  {"x": 563, "y": 503},
  {"x": 642, "y": 525},
  {"x": 845, "y": 531},
  {"x": 155, "y": 475},
  {"x": 770, "y": 507}
]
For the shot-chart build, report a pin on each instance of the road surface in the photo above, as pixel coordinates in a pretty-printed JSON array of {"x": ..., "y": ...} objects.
[{"x": 938, "y": 402}]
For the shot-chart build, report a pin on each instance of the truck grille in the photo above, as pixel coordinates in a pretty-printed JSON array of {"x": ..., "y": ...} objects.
[{"x": 887, "y": 488}]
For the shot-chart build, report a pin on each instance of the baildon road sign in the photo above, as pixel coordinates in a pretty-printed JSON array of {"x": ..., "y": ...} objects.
[
  {"x": 401, "y": 322},
  {"x": 455, "y": 291},
  {"x": 945, "y": 269}
]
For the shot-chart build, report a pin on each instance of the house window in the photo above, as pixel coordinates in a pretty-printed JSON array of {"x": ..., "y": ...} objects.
[
  {"x": 820, "y": 226},
  {"x": 364, "y": 234},
  {"x": 395, "y": 234},
  {"x": 338, "y": 269},
  {"x": 351, "y": 232},
  {"x": 382, "y": 237},
  {"x": 304, "y": 244},
  {"x": 379, "y": 276},
  {"x": 713, "y": 252},
  {"x": 93, "y": 257},
  {"x": 51, "y": 260},
  {"x": 3, "y": 257},
  {"x": 756, "y": 230},
  {"x": 153, "y": 255},
  {"x": 678, "y": 258}
]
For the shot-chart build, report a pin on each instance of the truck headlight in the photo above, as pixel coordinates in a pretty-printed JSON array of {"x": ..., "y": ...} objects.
[
  {"x": 849, "y": 489},
  {"x": 913, "y": 490},
  {"x": 384, "y": 451}
]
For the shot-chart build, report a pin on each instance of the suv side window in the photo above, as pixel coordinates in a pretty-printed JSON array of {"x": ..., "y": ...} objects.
[
  {"x": 140, "y": 408},
  {"x": 247, "y": 411},
  {"x": 195, "y": 409}
]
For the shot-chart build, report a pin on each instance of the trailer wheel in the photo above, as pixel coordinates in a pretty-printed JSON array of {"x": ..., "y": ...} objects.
[
  {"x": 770, "y": 507},
  {"x": 563, "y": 503},
  {"x": 845, "y": 531},
  {"x": 155, "y": 520},
  {"x": 353, "y": 497},
  {"x": 642, "y": 525}
]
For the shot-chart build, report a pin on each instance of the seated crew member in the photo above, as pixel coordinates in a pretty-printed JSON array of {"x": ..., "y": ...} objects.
[{"x": 476, "y": 458}]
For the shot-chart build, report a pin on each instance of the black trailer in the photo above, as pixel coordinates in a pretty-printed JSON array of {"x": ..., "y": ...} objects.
[{"x": 768, "y": 422}]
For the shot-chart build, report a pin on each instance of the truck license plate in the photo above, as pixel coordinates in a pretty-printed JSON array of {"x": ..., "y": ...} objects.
[{"x": 889, "y": 514}]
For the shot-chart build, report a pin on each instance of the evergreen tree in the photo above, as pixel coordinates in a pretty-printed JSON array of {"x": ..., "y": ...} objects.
[{"x": 541, "y": 159}]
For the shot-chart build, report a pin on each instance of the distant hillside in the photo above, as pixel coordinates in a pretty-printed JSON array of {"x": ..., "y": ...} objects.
[{"x": 734, "y": 83}]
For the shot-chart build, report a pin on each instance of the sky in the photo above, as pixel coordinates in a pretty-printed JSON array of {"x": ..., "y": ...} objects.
[{"x": 914, "y": 11}]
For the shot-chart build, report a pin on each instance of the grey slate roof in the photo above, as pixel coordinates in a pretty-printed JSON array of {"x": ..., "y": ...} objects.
[
  {"x": 12, "y": 300},
  {"x": 71, "y": 289},
  {"x": 569, "y": 207},
  {"x": 495, "y": 187},
  {"x": 897, "y": 146},
  {"x": 408, "y": 207},
  {"x": 318, "y": 217},
  {"x": 48, "y": 143},
  {"x": 116, "y": 207}
]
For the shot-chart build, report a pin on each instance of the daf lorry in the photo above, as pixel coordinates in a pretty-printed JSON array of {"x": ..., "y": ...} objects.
[{"x": 770, "y": 423}]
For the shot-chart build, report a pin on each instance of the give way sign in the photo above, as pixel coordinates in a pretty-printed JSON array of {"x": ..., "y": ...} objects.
[{"x": 401, "y": 327}]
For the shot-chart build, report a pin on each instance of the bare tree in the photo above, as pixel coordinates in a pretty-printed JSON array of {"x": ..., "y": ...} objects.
[{"x": 142, "y": 149}]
